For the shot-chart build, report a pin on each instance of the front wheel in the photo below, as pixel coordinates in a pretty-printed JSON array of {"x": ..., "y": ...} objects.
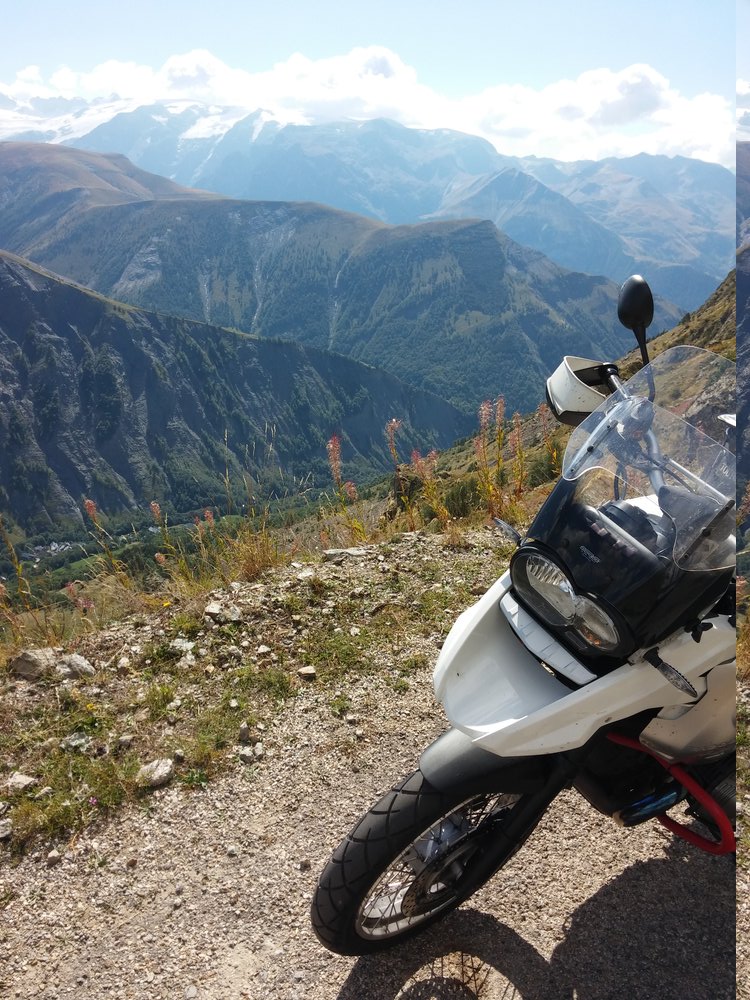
[{"x": 414, "y": 856}]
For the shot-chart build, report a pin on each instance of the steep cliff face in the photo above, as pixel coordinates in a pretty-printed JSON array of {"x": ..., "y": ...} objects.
[{"x": 102, "y": 400}]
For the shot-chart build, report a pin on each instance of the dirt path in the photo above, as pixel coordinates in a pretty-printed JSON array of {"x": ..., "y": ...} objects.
[{"x": 206, "y": 894}]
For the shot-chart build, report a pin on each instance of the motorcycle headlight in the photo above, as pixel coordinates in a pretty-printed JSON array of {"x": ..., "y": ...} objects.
[{"x": 545, "y": 589}]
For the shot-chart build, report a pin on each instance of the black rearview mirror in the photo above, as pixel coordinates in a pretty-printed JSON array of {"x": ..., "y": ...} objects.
[{"x": 635, "y": 309}]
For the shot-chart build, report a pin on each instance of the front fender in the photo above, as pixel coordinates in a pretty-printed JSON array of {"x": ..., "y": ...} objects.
[{"x": 454, "y": 763}]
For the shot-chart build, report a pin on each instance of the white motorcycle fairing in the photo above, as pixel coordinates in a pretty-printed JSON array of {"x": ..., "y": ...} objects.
[{"x": 494, "y": 688}]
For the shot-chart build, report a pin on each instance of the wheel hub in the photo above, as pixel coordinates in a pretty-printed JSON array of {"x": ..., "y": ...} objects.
[{"x": 437, "y": 880}]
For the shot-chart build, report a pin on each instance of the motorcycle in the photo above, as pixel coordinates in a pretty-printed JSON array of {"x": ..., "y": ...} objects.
[{"x": 603, "y": 660}]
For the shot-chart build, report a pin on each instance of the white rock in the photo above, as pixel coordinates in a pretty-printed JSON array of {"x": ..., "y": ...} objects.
[
  {"x": 155, "y": 774},
  {"x": 33, "y": 664},
  {"x": 19, "y": 782},
  {"x": 307, "y": 673},
  {"x": 76, "y": 741},
  {"x": 74, "y": 665},
  {"x": 222, "y": 612},
  {"x": 6, "y": 829},
  {"x": 54, "y": 857},
  {"x": 183, "y": 645},
  {"x": 263, "y": 650}
]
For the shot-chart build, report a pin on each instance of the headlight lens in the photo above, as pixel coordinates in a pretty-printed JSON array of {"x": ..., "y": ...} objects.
[{"x": 546, "y": 589}]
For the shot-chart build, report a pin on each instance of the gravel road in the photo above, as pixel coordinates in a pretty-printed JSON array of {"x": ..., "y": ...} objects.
[{"x": 205, "y": 894}]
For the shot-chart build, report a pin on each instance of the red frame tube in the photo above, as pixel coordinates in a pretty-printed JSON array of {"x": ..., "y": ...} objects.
[{"x": 727, "y": 844}]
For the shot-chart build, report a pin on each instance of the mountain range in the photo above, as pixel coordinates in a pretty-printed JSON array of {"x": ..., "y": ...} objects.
[
  {"x": 122, "y": 406},
  {"x": 453, "y": 307},
  {"x": 669, "y": 218}
]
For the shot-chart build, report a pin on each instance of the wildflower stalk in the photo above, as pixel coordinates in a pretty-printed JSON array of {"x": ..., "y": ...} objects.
[
  {"x": 491, "y": 474},
  {"x": 519, "y": 457},
  {"x": 399, "y": 487},
  {"x": 425, "y": 469},
  {"x": 346, "y": 493},
  {"x": 543, "y": 412},
  {"x": 104, "y": 541}
]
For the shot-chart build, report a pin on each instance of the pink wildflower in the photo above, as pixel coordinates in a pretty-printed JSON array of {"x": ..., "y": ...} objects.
[
  {"x": 350, "y": 489},
  {"x": 485, "y": 412},
  {"x": 90, "y": 508},
  {"x": 156, "y": 511},
  {"x": 208, "y": 517},
  {"x": 499, "y": 412},
  {"x": 334, "y": 458},
  {"x": 424, "y": 467},
  {"x": 160, "y": 558}
]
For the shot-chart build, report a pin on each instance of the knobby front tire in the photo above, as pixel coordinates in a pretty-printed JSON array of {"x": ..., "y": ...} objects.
[{"x": 416, "y": 855}]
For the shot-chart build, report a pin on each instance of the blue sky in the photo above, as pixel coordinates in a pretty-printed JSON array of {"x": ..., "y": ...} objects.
[{"x": 540, "y": 76}]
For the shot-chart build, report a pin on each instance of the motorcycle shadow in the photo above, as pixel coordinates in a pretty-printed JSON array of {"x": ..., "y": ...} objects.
[{"x": 663, "y": 928}]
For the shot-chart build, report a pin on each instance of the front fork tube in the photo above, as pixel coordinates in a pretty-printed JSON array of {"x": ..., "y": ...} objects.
[{"x": 503, "y": 843}]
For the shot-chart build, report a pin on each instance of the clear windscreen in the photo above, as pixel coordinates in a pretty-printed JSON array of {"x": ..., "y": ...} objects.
[{"x": 657, "y": 458}]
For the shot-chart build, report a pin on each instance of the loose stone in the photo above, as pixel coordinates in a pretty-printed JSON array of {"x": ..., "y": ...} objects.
[
  {"x": 155, "y": 774},
  {"x": 19, "y": 782}
]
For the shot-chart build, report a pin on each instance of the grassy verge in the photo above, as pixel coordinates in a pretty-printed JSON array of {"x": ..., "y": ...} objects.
[{"x": 174, "y": 682}]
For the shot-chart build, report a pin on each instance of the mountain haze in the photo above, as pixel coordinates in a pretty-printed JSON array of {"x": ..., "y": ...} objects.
[
  {"x": 454, "y": 307},
  {"x": 630, "y": 207},
  {"x": 611, "y": 217}
]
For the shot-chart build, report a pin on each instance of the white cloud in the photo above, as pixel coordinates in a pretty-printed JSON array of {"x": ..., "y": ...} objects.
[{"x": 601, "y": 112}]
